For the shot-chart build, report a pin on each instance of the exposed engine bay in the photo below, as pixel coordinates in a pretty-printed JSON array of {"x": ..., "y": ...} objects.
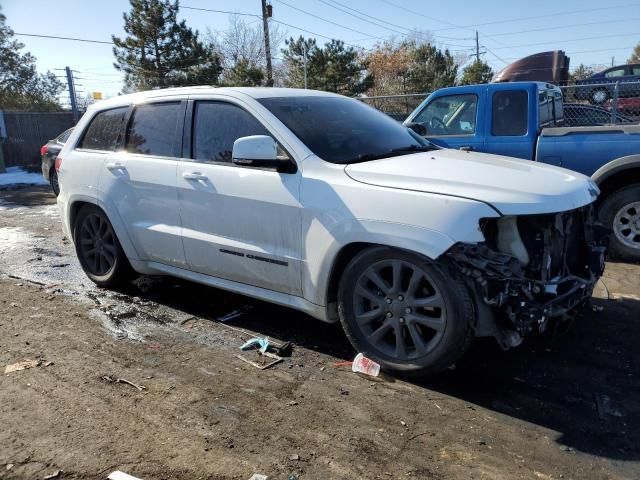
[{"x": 533, "y": 268}]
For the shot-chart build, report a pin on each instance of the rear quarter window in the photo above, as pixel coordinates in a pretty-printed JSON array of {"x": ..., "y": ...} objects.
[{"x": 104, "y": 129}]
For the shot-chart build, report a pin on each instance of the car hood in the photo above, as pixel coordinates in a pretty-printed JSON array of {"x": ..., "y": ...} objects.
[{"x": 511, "y": 186}]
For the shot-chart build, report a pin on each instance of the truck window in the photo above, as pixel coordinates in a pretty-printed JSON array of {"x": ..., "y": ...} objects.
[
  {"x": 450, "y": 115},
  {"x": 509, "y": 113}
]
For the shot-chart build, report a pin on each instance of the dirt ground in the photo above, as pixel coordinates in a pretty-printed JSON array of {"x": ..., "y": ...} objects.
[{"x": 563, "y": 406}]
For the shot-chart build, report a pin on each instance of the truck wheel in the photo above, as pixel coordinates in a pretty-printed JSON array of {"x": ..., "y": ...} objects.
[
  {"x": 621, "y": 212},
  {"x": 599, "y": 96},
  {"x": 53, "y": 180},
  {"x": 99, "y": 250},
  {"x": 411, "y": 315}
]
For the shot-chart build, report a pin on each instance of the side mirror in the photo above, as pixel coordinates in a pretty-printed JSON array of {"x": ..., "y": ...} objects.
[
  {"x": 419, "y": 128},
  {"x": 257, "y": 151}
]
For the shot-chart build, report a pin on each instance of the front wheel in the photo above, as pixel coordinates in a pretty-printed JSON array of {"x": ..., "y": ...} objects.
[
  {"x": 411, "y": 315},
  {"x": 620, "y": 211},
  {"x": 98, "y": 248}
]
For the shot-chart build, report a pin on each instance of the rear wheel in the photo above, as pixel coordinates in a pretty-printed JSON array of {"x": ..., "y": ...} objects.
[
  {"x": 620, "y": 211},
  {"x": 599, "y": 96},
  {"x": 409, "y": 314},
  {"x": 98, "y": 248},
  {"x": 53, "y": 180}
]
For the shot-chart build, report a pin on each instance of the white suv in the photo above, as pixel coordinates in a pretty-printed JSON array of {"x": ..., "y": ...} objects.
[{"x": 321, "y": 203}]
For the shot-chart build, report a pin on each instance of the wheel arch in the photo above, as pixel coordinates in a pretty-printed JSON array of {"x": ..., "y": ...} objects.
[
  {"x": 125, "y": 242},
  {"x": 616, "y": 174}
]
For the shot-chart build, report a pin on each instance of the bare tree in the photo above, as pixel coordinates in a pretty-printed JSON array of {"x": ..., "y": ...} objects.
[{"x": 242, "y": 43}]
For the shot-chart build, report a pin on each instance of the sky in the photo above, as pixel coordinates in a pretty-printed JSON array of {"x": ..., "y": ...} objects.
[{"x": 591, "y": 32}]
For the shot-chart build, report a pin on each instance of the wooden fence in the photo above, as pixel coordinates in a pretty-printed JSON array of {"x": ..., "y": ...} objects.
[{"x": 23, "y": 133}]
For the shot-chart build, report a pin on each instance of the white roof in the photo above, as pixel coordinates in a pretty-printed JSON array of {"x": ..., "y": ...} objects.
[{"x": 253, "y": 92}]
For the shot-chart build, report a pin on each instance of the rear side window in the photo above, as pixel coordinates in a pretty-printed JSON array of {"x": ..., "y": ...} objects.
[
  {"x": 509, "y": 117},
  {"x": 618, "y": 72},
  {"x": 153, "y": 130},
  {"x": 102, "y": 133},
  {"x": 217, "y": 125},
  {"x": 64, "y": 136}
]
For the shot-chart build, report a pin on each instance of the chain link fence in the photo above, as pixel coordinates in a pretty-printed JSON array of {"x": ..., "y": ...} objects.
[{"x": 584, "y": 105}]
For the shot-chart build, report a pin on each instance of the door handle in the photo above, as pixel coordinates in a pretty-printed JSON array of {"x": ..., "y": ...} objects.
[
  {"x": 466, "y": 148},
  {"x": 115, "y": 166},
  {"x": 194, "y": 176}
]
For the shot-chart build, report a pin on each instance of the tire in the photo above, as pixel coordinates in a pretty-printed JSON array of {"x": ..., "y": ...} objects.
[
  {"x": 53, "y": 181},
  {"x": 620, "y": 211},
  {"x": 599, "y": 96},
  {"x": 413, "y": 328},
  {"x": 99, "y": 250}
]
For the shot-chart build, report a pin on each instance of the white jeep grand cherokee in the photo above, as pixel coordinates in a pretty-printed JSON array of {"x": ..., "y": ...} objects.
[{"x": 321, "y": 203}]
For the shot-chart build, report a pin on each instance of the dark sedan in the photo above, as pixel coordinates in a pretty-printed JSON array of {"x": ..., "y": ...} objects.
[
  {"x": 600, "y": 87},
  {"x": 49, "y": 152}
]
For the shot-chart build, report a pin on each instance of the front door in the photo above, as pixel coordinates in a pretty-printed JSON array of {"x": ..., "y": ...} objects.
[
  {"x": 140, "y": 181},
  {"x": 450, "y": 121},
  {"x": 238, "y": 223}
]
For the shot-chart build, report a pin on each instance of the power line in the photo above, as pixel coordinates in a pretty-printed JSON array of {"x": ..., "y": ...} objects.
[
  {"x": 329, "y": 21},
  {"x": 63, "y": 38},
  {"x": 571, "y": 40},
  {"x": 564, "y": 27},
  {"x": 359, "y": 14},
  {"x": 220, "y": 11},
  {"x": 556, "y": 14}
]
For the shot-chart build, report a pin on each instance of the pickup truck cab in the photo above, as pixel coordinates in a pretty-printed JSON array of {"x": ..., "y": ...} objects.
[{"x": 525, "y": 120}]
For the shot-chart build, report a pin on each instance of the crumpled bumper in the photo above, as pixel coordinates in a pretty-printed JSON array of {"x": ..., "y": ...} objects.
[{"x": 567, "y": 252}]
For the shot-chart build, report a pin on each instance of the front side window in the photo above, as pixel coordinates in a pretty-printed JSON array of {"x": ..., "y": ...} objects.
[
  {"x": 153, "y": 130},
  {"x": 103, "y": 131},
  {"x": 344, "y": 130},
  {"x": 216, "y": 126},
  {"x": 450, "y": 115},
  {"x": 635, "y": 70},
  {"x": 509, "y": 116},
  {"x": 618, "y": 72}
]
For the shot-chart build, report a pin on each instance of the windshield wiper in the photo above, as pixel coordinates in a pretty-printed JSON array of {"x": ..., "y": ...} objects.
[
  {"x": 414, "y": 148},
  {"x": 394, "y": 152}
]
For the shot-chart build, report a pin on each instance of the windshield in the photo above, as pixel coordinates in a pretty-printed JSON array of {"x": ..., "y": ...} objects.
[{"x": 344, "y": 130}]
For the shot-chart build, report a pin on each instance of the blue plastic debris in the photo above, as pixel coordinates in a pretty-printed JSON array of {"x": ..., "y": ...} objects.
[{"x": 263, "y": 343}]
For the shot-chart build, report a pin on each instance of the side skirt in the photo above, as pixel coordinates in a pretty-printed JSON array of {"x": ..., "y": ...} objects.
[{"x": 298, "y": 303}]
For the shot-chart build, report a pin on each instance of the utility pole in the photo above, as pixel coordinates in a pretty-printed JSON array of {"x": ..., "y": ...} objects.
[
  {"x": 304, "y": 54},
  {"x": 477, "y": 48},
  {"x": 267, "y": 11},
  {"x": 72, "y": 94}
]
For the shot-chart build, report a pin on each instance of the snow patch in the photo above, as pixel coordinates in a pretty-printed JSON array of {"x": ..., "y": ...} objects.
[
  {"x": 18, "y": 176},
  {"x": 12, "y": 238}
]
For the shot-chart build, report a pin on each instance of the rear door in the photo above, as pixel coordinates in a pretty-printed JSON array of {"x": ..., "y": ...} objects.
[
  {"x": 511, "y": 127},
  {"x": 451, "y": 121},
  {"x": 140, "y": 181}
]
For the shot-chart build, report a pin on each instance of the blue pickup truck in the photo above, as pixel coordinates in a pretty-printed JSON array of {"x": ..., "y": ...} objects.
[{"x": 525, "y": 120}]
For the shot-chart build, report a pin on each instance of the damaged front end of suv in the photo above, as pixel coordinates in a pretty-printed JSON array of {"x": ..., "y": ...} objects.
[{"x": 531, "y": 269}]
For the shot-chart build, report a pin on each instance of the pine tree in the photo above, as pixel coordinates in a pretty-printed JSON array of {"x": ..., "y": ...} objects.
[
  {"x": 429, "y": 68},
  {"x": 333, "y": 68},
  {"x": 159, "y": 51},
  {"x": 21, "y": 86},
  {"x": 476, "y": 72}
]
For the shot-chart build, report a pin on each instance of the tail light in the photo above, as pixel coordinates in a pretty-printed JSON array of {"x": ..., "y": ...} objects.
[
  {"x": 57, "y": 163},
  {"x": 44, "y": 149}
]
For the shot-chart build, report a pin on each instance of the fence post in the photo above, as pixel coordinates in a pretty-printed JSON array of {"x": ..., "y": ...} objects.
[
  {"x": 614, "y": 104},
  {"x": 3, "y": 135}
]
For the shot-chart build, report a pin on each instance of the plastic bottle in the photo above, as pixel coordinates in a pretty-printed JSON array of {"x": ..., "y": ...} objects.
[{"x": 365, "y": 365}]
